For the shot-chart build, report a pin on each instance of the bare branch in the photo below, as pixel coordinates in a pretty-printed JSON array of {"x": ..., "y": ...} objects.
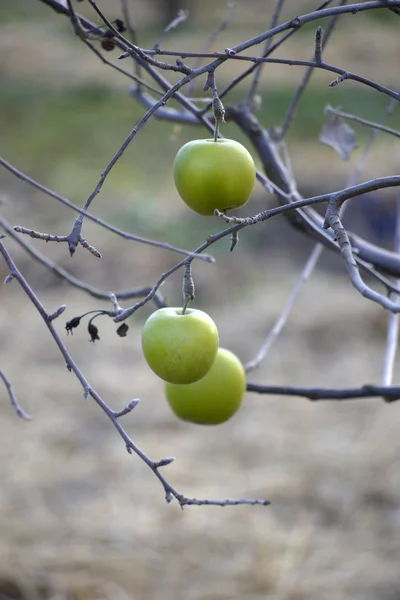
[
  {"x": 389, "y": 394},
  {"x": 339, "y": 196}
]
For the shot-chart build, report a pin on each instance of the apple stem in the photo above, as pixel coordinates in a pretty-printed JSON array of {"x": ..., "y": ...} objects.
[
  {"x": 216, "y": 130},
  {"x": 186, "y": 304}
]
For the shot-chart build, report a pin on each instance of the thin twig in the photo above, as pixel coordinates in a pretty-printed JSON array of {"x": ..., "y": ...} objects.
[
  {"x": 291, "y": 110},
  {"x": 210, "y": 41},
  {"x": 257, "y": 72},
  {"x": 392, "y": 334},
  {"x": 141, "y": 82},
  {"x": 349, "y": 117},
  {"x": 14, "y": 402},
  {"x": 281, "y": 321},
  {"x": 180, "y": 18}
]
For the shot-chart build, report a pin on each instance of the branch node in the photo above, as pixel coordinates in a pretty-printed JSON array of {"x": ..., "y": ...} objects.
[{"x": 296, "y": 22}]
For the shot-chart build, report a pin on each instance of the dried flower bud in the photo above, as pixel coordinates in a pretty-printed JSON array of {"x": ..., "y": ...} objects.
[
  {"x": 119, "y": 25},
  {"x": 72, "y": 324},
  {"x": 93, "y": 332},
  {"x": 122, "y": 330}
]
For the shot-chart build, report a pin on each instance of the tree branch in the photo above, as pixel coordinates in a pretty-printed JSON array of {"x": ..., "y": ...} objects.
[
  {"x": 88, "y": 390},
  {"x": 388, "y": 394}
]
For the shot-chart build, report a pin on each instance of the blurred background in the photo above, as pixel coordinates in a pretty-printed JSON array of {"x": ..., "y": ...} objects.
[{"x": 80, "y": 518}]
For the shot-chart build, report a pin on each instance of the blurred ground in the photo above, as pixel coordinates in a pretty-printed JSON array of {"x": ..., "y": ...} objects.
[{"x": 81, "y": 519}]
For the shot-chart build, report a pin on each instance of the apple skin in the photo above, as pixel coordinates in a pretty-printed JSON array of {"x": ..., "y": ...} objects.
[
  {"x": 213, "y": 399},
  {"x": 180, "y": 348},
  {"x": 212, "y": 174}
]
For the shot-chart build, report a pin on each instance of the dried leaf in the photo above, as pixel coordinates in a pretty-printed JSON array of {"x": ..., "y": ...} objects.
[{"x": 339, "y": 136}]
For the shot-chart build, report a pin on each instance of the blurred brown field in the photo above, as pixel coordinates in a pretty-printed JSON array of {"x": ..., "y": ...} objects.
[{"x": 80, "y": 518}]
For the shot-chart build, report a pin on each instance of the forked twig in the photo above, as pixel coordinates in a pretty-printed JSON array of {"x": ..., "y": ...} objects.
[
  {"x": 74, "y": 281},
  {"x": 97, "y": 220},
  {"x": 333, "y": 220}
]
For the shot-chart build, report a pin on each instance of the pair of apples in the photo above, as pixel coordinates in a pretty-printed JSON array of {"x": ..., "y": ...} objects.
[{"x": 204, "y": 384}]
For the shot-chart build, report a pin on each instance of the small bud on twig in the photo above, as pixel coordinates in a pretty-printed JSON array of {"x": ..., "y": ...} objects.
[
  {"x": 127, "y": 409},
  {"x": 338, "y": 80},
  {"x": 318, "y": 45},
  {"x": 58, "y": 312}
]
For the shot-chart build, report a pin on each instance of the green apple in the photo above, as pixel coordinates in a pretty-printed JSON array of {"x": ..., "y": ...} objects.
[
  {"x": 180, "y": 348},
  {"x": 213, "y": 174},
  {"x": 214, "y": 398}
]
